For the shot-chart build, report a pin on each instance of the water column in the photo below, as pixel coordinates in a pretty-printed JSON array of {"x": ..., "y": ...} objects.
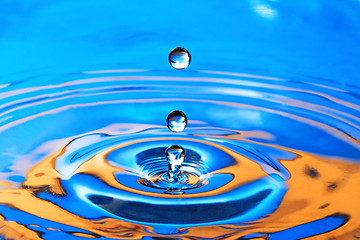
[{"x": 175, "y": 155}]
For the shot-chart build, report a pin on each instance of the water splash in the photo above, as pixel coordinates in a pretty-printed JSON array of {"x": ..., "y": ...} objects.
[
  {"x": 96, "y": 178},
  {"x": 175, "y": 156}
]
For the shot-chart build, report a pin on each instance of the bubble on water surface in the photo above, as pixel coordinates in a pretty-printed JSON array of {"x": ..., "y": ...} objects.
[
  {"x": 179, "y": 58},
  {"x": 176, "y": 121}
]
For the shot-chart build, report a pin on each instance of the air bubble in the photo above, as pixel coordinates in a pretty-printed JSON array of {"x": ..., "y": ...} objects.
[
  {"x": 176, "y": 121},
  {"x": 179, "y": 58},
  {"x": 175, "y": 156}
]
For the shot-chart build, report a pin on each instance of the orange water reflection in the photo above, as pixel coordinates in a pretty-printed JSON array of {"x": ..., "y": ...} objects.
[{"x": 317, "y": 187}]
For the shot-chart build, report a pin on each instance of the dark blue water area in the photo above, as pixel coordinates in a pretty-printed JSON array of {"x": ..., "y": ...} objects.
[
  {"x": 98, "y": 200},
  {"x": 303, "y": 231}
]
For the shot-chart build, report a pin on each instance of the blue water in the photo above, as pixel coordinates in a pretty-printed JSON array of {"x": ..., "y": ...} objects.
[{"x": 271, "y": 97}]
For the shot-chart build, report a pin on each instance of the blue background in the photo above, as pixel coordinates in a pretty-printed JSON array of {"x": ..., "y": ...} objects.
[{"x": 285, "y": 38}]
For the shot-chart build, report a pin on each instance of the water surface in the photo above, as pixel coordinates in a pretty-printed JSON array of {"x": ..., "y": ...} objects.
[{"x": 272, "y": 139}]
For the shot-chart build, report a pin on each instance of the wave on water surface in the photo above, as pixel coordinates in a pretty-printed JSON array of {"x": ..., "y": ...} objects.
[{"x": 266, "y": 158}]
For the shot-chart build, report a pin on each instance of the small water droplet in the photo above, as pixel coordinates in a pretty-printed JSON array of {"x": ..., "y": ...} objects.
[
  {"x": 179, "y": 58},
  {"x": 175, "y": 156},
  {"x": 176, "y": 121}
]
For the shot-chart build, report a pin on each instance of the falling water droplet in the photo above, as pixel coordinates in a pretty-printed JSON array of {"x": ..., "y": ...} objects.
[
  {"x": 176, "y": 121},
  {"x": 179, "y": 58},
  {"x": 175, "y": 156}
]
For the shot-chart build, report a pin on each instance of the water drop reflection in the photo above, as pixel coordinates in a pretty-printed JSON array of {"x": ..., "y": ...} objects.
[
  {"x": 176, "y": 121},
  {"x": 179, "y": 58}
]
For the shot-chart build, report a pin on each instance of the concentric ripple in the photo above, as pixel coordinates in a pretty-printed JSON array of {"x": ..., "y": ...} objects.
[{"x": 84, "y": 156}]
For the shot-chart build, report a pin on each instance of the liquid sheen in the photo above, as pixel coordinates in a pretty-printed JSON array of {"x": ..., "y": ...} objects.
[{"x": 263, "y": 160}]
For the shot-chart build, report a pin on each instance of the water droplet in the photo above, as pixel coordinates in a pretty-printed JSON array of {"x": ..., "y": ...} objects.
[
  {"x": 175, "y": 156},
  {"x": 179, "y": 58},
  {"x": 176, "y": 121}
]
